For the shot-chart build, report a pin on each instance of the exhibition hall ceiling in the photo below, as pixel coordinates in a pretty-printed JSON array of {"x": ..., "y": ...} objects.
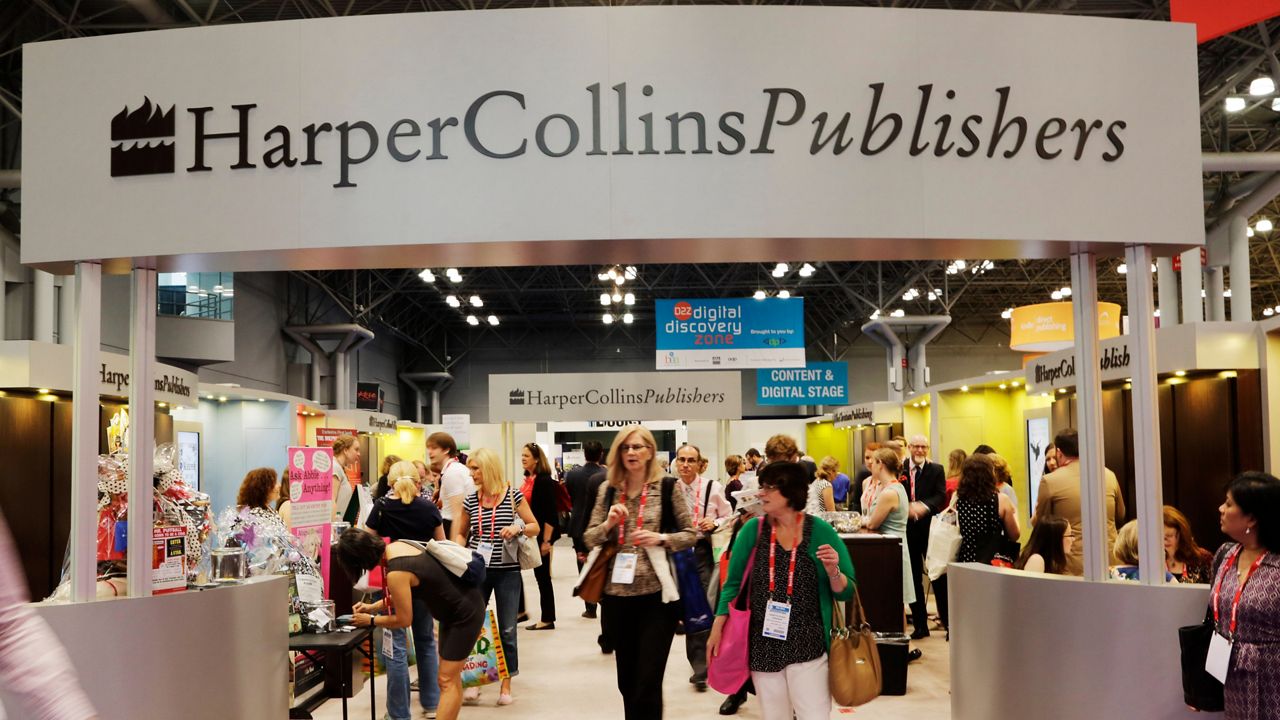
[{"x": 839, "y": 296}]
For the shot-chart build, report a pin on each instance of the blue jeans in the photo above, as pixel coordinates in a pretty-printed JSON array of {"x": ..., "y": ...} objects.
[
  {"x": 424, "y": 642},
  {"x": 506, "y": 584}
]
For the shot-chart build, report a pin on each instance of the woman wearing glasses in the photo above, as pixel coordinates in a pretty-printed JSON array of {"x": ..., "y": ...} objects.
[{"x": 639, "y": 510}]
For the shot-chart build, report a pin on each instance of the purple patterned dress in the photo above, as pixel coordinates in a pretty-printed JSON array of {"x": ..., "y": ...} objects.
[{"x": 1253, "y": 681}]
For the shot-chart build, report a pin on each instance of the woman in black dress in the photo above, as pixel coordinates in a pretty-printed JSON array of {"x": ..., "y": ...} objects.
[
  {"x": 985, "y": 514},
  {"x": 540, "y": 490},
  {"x": 412, "y": 574}
]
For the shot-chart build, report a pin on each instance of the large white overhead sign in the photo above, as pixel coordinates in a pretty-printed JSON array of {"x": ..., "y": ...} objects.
[
  {"x": 513, "y": 137},
  {"x": 615, "y": 396}
]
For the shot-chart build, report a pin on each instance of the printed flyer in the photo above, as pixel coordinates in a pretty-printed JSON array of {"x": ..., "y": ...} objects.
[{"x": 311, "y": 503}]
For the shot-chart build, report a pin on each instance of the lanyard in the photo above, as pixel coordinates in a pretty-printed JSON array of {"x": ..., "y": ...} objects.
[
  {"x": 493, "y": 519},
  {"x": 697, "y": 503},
  {"x": 795, "y": 550},
  {"x": 1235, "y": 602},
  {"x": 622, "y": 527},
  {"x": 385, "y": 594}
]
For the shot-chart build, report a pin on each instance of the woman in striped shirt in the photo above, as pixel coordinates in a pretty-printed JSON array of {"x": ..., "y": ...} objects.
[{"x": 489, "y": 521}]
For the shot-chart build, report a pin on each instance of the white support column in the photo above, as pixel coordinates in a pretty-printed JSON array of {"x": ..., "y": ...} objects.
[
  {"x": 1084, "y": 301},
  {"x": 897, "y": 374},
  {"x": 84, "y": 432},
  {"x": 1192, "y": 303},
  {"x": 1241, "y": 280},
  {"x": 67, "y": 311},
  {"x": 142, "y": 421},
  {"x": 1215, "y": 302},
  {"x": 1146, "y": 413},
  {"x": 42, "y": 314},
  {"x": 1168, "y": 284}
]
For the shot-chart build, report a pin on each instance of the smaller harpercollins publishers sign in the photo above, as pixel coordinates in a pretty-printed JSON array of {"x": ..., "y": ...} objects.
[
  {"x": 1058, "y": 370},
  {"x": 615, "y": 396}
]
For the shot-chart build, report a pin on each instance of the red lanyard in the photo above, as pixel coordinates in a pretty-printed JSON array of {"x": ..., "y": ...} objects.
[
  {"x": 795, "y": 550},
  {"x": 622, "y": 528},
  {"x": 697, "y": 505},
  {"x": 1235, "y": 602},
  {"x": 493, "y": 520}
]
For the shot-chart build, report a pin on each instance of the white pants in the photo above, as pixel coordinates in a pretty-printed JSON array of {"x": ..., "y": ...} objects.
[{"x": 800, "y": 689}]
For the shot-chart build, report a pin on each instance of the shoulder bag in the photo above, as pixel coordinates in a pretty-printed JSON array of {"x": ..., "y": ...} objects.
[
  {"x": 527, "y": 552},
  {"x": 853, "y": 665},
  {"x": 730, "y": 670},
  {"x": 944, "y": 542},
  {"x": 591, "y": 586},
  {"x": 1200, "y": 690}
]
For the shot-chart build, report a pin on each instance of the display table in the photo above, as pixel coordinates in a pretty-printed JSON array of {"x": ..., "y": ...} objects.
[
  {"x": 334, "y": 652},
  {"x": 877, "y": 567}
]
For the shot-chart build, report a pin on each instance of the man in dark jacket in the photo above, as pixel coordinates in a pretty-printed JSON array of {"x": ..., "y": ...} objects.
[
  {"x": 583, "y": 484},
  {"x": 926, "y": 485}
]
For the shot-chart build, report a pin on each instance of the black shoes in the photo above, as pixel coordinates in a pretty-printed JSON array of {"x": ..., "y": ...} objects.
[
  {"x": 541, "y": 626},
  {"x": 920, "y": 633},
  {"x": 732, "y": 703},
  {"x": 589, "y": 614},
  {"x": 605, "y": 647},
  {"x": 914, "y": 655}
]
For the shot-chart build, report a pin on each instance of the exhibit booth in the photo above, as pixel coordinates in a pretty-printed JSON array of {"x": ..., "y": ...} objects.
[{"x": 323, "y": 145}]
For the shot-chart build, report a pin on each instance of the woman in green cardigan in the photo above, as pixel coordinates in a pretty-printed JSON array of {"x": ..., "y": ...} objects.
[{"x": 800, "y": 566}]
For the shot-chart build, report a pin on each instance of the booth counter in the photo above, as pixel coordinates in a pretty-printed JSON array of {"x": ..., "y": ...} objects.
[
  {"x": 1045, "y": 646},
  {"x": 210, "y": 655}
]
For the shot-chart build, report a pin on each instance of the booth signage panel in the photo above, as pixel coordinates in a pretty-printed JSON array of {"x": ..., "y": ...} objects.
[
  {"x": 459, "y": 427},
  {"x": 311, "y": 503},
  {"x": 868, "y": 413},
  {"x": 362, "y": 141},
  {"x": 1048, "y": 327},
  {"x": 1058, "y": 370},
  {"x": 369, "y": 397},
  {"x": 326, "y": 435},
  {"x": 729, "y": 333},
  {"x": 364, "y": 421},
  {"x": 615, "y": 396},
  {"x": 814, "y": 384}
]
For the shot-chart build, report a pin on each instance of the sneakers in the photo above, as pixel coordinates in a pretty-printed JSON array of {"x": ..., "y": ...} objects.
[
  {"x": 505, "y": 699},
  {"x": 429, "y": 714},
  {"x": 471, "y": 696}
]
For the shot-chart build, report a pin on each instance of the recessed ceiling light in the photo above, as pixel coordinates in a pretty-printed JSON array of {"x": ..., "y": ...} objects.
[
  {"x": 1234, "y": 104},
  {"x": 1262, "y": 86}
]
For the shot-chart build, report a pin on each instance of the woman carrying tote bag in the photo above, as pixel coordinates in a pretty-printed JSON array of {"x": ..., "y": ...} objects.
[{"x": 799, "y": 568}]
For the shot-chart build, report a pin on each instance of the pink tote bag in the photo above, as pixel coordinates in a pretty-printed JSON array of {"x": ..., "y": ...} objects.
[{"x": 729, "y": 671}]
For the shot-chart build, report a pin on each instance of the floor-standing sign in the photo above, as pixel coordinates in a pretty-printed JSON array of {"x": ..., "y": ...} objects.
[{"x": 311, "y": 505}]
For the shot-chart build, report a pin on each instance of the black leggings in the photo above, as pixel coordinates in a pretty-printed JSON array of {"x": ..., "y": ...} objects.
[
  {"x": 640, "y": 630},
  {"x": 542, "y": 574}
]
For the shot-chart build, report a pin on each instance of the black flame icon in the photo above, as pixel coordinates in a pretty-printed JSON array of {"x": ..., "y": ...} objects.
[{"x": 149, "y": 122}]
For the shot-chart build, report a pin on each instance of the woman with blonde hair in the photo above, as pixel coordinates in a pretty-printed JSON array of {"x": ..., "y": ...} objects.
[
  {"x": 888, "y": 512},
  {"x": 1004, "y": 479},
  {"x": 490, "y": 521},
  {"x": 402, "y": 514},
  {"x": 640, "y": 511}
]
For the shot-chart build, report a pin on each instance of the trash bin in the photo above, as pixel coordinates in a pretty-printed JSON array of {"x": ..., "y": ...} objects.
[{"x": 893, "y": 649}]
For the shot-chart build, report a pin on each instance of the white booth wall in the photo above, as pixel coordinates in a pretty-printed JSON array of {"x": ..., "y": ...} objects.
[{"x": 236, "y": 437}]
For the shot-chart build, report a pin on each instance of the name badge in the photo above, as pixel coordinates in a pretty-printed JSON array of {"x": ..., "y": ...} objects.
[
  {"x": 388, "y": 649},
  {"x": 777, "y": 620},
  {"x": 486, "y": 551},
  {"x": 1219, "y": 657},
  {"x": 624, "y": 568}
]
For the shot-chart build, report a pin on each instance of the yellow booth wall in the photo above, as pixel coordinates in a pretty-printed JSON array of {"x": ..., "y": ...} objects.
[{"x": 822, "y": 439}]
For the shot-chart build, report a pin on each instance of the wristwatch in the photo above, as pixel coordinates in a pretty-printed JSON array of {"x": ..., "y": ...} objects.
[{"x": 662, "y": 540}]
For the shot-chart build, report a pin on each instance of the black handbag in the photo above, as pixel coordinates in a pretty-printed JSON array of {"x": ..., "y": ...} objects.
[{"x": 1200, "y": 690}]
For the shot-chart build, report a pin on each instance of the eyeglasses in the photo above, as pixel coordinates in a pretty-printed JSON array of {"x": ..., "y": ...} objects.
[
  {"x": 686, "y": 460},
  {"x": 918, "y": 447},
  {"x": 636, "y": 448}
]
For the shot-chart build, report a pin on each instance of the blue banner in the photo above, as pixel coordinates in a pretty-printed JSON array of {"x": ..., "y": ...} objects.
[
  {"x": 819, "y": 383},
  {"x": 729, "y": 333}
]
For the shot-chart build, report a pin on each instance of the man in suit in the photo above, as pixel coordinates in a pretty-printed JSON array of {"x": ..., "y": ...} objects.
[
  {"x": 1060, "y": 495},
  {"x": 583, "y": 484},
  {"x": 926, "y": 484}
]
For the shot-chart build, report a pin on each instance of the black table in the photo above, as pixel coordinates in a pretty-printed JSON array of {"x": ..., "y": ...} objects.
[
  {"x": 322, "y": 648},
  {"x": 877, "y": 565}
]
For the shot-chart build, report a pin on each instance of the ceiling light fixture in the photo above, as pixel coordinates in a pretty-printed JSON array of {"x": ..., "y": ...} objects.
[
  {"x": 806, "y": 270},
  {"x": 1262, "y": 86},
  {"x": 759, "y": 295},
  {"x": 476, "y": 301},
  {"x": 784, "y": 294},
  {"x": 1007, "y": 313},
  {"x": 630, "y": 272},
  {"x": 604, "y": 298},
  {"x": 616, "y": 296},
  {"x": 427, "y": 276},
  {"x": 898, "y": 313},
  {"x": 493, "y": 319},
  {"x": 473, "y": 320},
  {"x": 1122, "y": 268},
  {"x": 628, "y": 318},
  {"x": 452, "y": 301},
  {"x": 1066, "y": 292},
  {"x": 1263, "y": 225},
  {"x": 608, "y": 319},
  {"x": 1056, "y": 295},
  {"x": 1234, "y": 104},
  {"x": 629, "y": 299}
]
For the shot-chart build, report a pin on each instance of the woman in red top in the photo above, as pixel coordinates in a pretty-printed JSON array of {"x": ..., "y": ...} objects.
[{"x": 955, "y": 461}]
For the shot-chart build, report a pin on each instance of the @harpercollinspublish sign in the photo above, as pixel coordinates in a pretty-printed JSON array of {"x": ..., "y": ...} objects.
[
  {"x": 615, "y": 396},
  {"x": 711, "y": 334}
]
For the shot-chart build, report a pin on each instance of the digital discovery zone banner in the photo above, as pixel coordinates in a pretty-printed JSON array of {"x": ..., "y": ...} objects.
[{"x": 729, "y": 333}]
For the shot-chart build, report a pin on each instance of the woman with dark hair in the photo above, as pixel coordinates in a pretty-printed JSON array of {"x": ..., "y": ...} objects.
[
  {"x": 283, "y": 506},
  {"x": 1245, "y": 601},
  {"x": 258, "y": 492},
  {"x": 540, "y": 491},
  {"x": 734, "y": 465},
  {"x": 791, "y": 609},
  {"x": 1048, "y": 547},
  {"x": 412, "y": 575},
  {"x": 1186, "y": 561},
  {"x": 986, "y": 516},
  {"x": 639, "y": 618}
]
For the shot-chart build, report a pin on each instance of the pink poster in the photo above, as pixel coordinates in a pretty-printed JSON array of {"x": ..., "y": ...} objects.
[{"x": 311, "y": 503}]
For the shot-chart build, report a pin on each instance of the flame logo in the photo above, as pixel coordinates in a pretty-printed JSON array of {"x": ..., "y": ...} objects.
[{"x": 148, "y": 122}]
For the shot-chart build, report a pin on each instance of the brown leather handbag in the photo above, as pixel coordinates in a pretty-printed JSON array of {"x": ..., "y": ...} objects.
[
  {"x": 853, "y": 664},
  {"x": 592, "y": 586}
]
